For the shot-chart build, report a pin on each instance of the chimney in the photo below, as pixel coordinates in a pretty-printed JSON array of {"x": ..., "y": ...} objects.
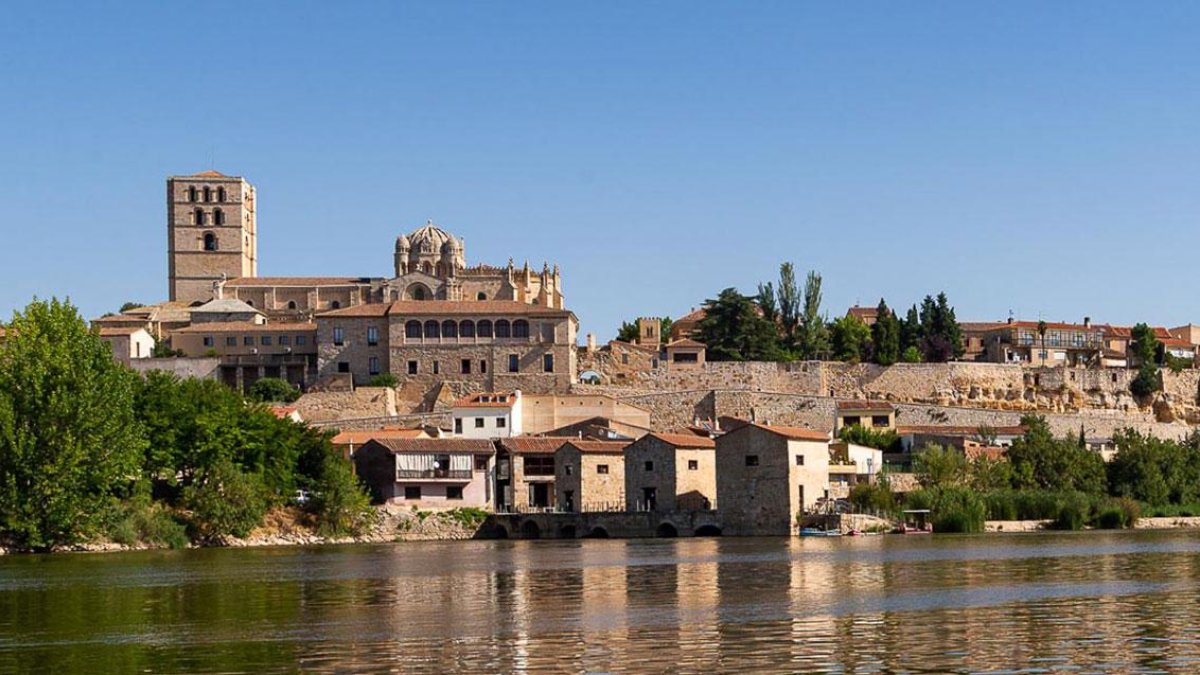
[
  {"x": 591, "y": 343},
  {"x": 1010, "y": 320},
  {"x": 1087, "y": 322}
]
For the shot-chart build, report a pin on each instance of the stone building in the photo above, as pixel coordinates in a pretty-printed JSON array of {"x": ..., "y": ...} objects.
[
  {"x": 128, "y": 343},
  {"x": 767, "y": 476},
  {"x": 427, "y": 472},
  {"x": 589, "y": 476},
  {"x": 525, "y": 474},
  {"x": 492, "y": 345},
  {"x": 252, "y": 351},
  {"x": 878, "y": 415},
  {"x": 488, "y": 415},
  {"x": 212, "y": 234},
  {"x": 671, "y": 472},
  {"x": 545, "y": 413}
]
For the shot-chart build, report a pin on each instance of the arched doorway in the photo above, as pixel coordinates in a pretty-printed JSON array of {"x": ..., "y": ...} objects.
[
  {"x": 708, "y": 531},
  {"x": 566, "y": 532},
  {"x": 530, "y": 530},
  {"x": 597, "y": 532},
  {"x": 666, "y": 530}
]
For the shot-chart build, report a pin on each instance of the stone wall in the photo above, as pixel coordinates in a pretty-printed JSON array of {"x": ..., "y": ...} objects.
[{"x": 362, "y": 402}]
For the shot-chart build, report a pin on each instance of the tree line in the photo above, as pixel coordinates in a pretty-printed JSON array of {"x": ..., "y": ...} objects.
[
  {"x": 784, "y": 322},
  {"x": 89, "y": 449}
]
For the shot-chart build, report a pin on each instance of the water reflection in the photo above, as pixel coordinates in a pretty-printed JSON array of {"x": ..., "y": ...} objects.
[{"x": 1124, "y": 602}]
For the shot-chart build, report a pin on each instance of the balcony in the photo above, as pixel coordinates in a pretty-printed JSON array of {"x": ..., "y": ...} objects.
[{"x": 463, "y": 475}]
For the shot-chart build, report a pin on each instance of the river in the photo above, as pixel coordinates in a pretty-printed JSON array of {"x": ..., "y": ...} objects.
[{"x": 1091, "y": 602}]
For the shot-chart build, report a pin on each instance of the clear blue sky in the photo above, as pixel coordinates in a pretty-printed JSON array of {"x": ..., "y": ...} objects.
[{"x": 1038, "y": 157}]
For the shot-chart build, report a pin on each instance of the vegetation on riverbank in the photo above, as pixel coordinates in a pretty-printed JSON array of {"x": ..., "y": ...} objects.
[
  {"x": 1046, "y": 478},
  {"x": 91, "y": 451}
]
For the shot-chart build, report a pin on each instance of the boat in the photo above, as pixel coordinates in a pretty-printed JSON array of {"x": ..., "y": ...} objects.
[
  {"x": 818, "y": 532},
  {"x": 916, "y": 521}
]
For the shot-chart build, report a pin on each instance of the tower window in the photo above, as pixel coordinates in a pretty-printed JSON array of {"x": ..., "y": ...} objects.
[
  {"x": 198, "y": 217},
  {"x": 207, "y": 194},
  {"x": 210, "y": 241},
  {"x": 291, "y": 304},
  {"x": 191, "y": 193},
  {"x": 481, "y": 296},
  {"x": 221, "y": 194},
  {"x": 218, "y": 217}
]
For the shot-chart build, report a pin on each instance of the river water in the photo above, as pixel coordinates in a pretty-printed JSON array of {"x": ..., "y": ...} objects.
[{"x": 1087, "y": 602}]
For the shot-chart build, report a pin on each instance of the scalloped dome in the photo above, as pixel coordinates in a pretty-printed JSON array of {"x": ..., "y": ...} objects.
[
  {"x": 402, "y": 243},
  {"x": 429, "y": 238}
]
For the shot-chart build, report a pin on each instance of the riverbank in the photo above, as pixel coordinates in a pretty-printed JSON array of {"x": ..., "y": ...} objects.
[{"x": 1167, "y": 523}]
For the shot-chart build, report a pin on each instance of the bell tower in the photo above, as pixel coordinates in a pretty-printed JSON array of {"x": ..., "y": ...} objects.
[{"x": 212, "y": 233}]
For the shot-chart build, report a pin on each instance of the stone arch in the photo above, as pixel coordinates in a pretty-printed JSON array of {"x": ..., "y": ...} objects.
[
  {"x": 433, "y": 329},
  {"x": 481, "y": 296},
  {"x": 597, "y": 532},
  {"x": 449, "y": 328},
  {"x": 708, "y": 531},
  {"x": 520, "y": 328},
  {"x": 666, "y": 530},
  {"x": 589, "y": 377},
  {"x": 418, "y": 292},
  {"x": 412, "y": 328},
  {"x": 484, "y": 328},
  {"x": 466, "y": 328},
  {"x": 530, "y": 530},
  {"x": 291, "y": 304},
  {"x": 567, "y": 532},
  {"x": 503, "y": 328},
  {"x": 210, "y": 241}
]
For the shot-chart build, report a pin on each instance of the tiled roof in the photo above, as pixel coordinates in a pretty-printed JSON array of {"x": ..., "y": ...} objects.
[
  {"x": 865, "y": 405},
  {"x": 599, "y": 447},
  {"x": 283, "y": 411},
  {"x": 242, "y": 282},
  {"x": 487, "y": 400},
  {"x": 360, "y": 437},
  {"x": 685, "y": 440},
  {"x": 692, "y": 316},
  {"x": 1051, "y": 325},
  {"x": 247, "y": 327},
  {"x": 863, "y": 312},
  {"x": 947, "y": 430},
  {"x": 981, "y": 326},
  {"x": 686, "y": 342},
  {"x": 225, "y": 306},
  {"x": 119, "y": 331},
  {"x": 992, "y": 453},
  {"x": 532, "y": 445},
  {"x": 369, "y": 310},
  {"x": 442, "y": 307},
  {"x": 796, "y": 433},
  {"x": 434, "y": 444},
  {"x": 211, "y": 173}
]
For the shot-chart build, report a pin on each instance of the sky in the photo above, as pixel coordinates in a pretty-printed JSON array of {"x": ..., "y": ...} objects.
[{"x": 1033, "y": 158}]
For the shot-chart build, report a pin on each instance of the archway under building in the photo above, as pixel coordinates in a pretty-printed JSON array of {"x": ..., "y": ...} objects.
[
  {"x": 666, "y": 530},
  {"x": 597, "y": 532},
  {"x": 530, "y": 530},
  {"x": 589, "y": 377},
  {"x": 566, "y": 532},
  {"x": 708, "y": 531}
]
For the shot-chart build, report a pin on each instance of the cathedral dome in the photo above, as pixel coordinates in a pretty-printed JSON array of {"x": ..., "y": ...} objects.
[
  {"x": 429, "y": 238},
  {"x": 402, "y": 243}
]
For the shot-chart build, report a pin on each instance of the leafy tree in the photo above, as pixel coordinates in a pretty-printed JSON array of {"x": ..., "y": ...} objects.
[
  {"x": 341, "y": 504},
  {"x": 68, "y": 438},
  {"x": 628, "y": 332},
  {"x": 850, "y": 338},
  {"x": 938, "y": 466},
  {"x": 873, "y": 497},
  {"x": 766, "y": 302},
  {"x": 162, "y": 350},
  {"x": 910, "y": 332},
  {"x": 1155, "y": 471},
  {"x": 1146, "y": 346},
  {"x": 987, "y": 474},
  {"x": 1040, "y": 461},
  {"x": 733, "y": 330},
  {"x": 812, "y": 336},
  {"x": 880, "y": 439},
  {"x": 665, "y": 327},
  {"x": 885, "y": 335},
  {"x": 1146, "y": 382},
  {"x": 941, "y": 336},
  {"x": 789, "y": 301},
  {"x": 225, "y": 501},
  {"x": 130, "y": 305},
  {"x": 274, "y": 390},
  {"x": 383, "y": 380},
  {"x": 911, "y": 355}
]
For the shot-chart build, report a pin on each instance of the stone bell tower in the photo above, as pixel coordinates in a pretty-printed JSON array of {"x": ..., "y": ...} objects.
[{"x": 212, "y": 233}]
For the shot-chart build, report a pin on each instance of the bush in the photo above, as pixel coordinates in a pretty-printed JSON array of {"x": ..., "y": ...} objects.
[
  {"x": 225, "y": 502},
  {"x": 1073, "y": 512},
  {"x": 466, "y": 517},
  {"x": 1111, "y": 518},
  {"x": 873, "y": 497},
  {"x": 274, "y": 390},
  {"x": 383, "y": 380},
  {"x": 341, "y": 505},
  {"x": 958, "y": 510},
  {"x": 1145, "y": 383},
  {"x": 880, "y": 439},
  {"x": 138, "y": 520}
]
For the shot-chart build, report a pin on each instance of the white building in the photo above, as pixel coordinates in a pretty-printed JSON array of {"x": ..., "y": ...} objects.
[
  {"x": 488, "y": 415},
  {"x": 128, "y": 343}
]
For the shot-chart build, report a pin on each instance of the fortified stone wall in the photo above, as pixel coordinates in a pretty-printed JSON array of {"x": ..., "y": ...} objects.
[{"x": 362, "y": 402}]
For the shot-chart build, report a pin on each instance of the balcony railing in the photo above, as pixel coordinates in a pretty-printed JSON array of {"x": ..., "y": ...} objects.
[{"x": 433, "y": 474}]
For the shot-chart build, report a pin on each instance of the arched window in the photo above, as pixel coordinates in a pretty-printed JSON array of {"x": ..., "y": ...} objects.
[
  {"x": 412, "y": 329},
  {"x": 481, "y": 296},
  {"x": 426, "y": 267},
  {"x": 449, "y": 329},
  {"x": 520, "y": 328},
  {"x": 198, "y": 217},
  {"x": 192, "y": 194},
  {"x": 207, "y": 195},
  {"x": 210, "y": 241},
  {"x": 221, "y": 194},
  {"x": 291, "y": 304},
  {"x": 218, "y": 217},
  {"x": 485, "y": 329},
  {"x": 441, "y": 270},
  {"x": 502, "y": 330},
  {"x": 250, "y": 302},
  {"x": 418, "y": 292},
  {"x": 335, "y": 305},
  {"x": 432, "y": 329},
  {"x": 466, "y": 329}
]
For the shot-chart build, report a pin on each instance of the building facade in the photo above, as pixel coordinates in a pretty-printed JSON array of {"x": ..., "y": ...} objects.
[
  {"x": 590, "y": 476},
  {"x": 671, "y": 472},
  {"x": 767, "y": 476},
  {"x": 427, "y": 472},
  {"x": 488, "y": 415},
  {"x": 212, "y": 233}
]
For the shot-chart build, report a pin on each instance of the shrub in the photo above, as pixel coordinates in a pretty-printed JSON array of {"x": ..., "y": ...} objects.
[
  {"x": 141, "y": 521},
  {"x": 880, "y": 439},
  {"x": 383, "y": 380},
  {"x": 873, "y": 497},
  {"x": 466, "y": 517},
  {"x": 339, "y": 501},
  {"x": 958, "y": 509},
  {"x": 1145, "y": 383},
  {"x": 1110, "y": 518},
  {"x": 225, "y": 502},
  {"x": 274, "y": 390},
  {"x": 1073, "y": 512}
]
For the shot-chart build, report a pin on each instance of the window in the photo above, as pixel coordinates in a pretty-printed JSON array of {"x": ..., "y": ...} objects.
[
  {"x": 625, "y": 359},
  {"x": 539, "y": 466},
  {"x": 412, "y": 491},
  {"x": 799, "y": 460},
  {"x": 481, "y": 296},
  {"x": 248, "y": 341},
  {"x": 751, "y": 460},
  {"x": 210, "y": 241},
  {"x": 880, "y": 420},
  {"x": 218, "y": 217},
  {"x": 453, "y": 492},
  {"x": 191, "y": 193},
  {"x": 198, "y": 217},
  {"x": 231, "y": 342},
  {"x": 483, "y": 366},
  {"x": 484, "y": 328},
  {"x": 437, "y": 367},
  {"x": 449, "y": 329},
  {"x": 207, "y": 194},
  {"x": 208, "y": 341},
  {"x": 851, "y": 420},
  {"x": 220, "y": 194},
  {"x": 466, "y": 366},
  {"x": 458, "y": 425},
  {"x": 285, "y": 340},
  {"x": 335, "y": 305},
  {"x": 412, "y": 367},
  {"x": 601, "y": 468},
  {"x": 343, "y": 366},
  {"x": 432, "y": 329},
  {"x": 547, "y": 363},
  {"x": 649, "y": 466},
  {"x": 502, "y": 329},
  {"x": 266, "y": 340},
  {"x": 301, "y": 340},
  {"x": 693, "y": 465},
  {"x": 478, "y": 422},
  {"x": 481, "y": 462},
  {"x": 501, "y": 422},
  {"x": 514, "y": 364},
  {"x": 291, "y": 304},
  {"x": 466, "y": 329},
  {"x": 520, "y": 328},
  {"x": 412, "y": 329},
  {"x": 373, "y": 365},
  {"x": 567, "y": 469},
  {"x": 372, "y": 336},
  {"x": 339, "y": 335}
]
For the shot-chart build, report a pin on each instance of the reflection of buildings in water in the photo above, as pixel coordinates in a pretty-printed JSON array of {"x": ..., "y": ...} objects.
[{"x": 697, "y": 602}]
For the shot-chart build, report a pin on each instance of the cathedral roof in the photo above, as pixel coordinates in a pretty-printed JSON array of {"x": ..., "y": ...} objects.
[
  {"x": 434, "y": 235},
  {"x": 211, "y": 173}
]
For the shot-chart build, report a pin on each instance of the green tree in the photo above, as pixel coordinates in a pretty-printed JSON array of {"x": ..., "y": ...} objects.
[
  {"x": 880, "y": 439},
  {"x": 129, "y": 305},
  {"x": 885, "y": 335},
  {"x": 812, "y": 334},
  {"x": 1042, "y": 462},
  {"x": 1146, "y": 382},
  {"x": 987, "y": 475},
  {"x": 1041, "y": 331},
  {"x": 911, "y": 355},
  {"x": 628, "y": 332},
  {"x": 665, "y": 328},
  {"x": 339, "y": 501},
  {"x": 790, "y": 302},
  {"x": 225, "y": 501},
  {"x": 941, "y": 336},
  {"x": 68, "y": 438},
  {"x": 766, "y": 302},
  {"x": 938, "y": 466},
  {"x": 1146, "y": 346},
  {"x": 733, "y": 330},
  {"x": 273, "y": 390},
  {"x": 850, "y": 339},
  {"x": 162, "y": 350},
  {"x": 910, "y": 332}
]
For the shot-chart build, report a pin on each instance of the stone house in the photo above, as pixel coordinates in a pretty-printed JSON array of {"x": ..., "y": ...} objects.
[
  {"x": 252, "y": 351},
  {"x": 767, "y": 476},
  {"x": 600, "y": 429},
  {"x": 226, "y": 310},
  {"x": 427, "y": 472},
  {"x": 671, "y": 472},
  {"x": 914, "y": 438},
  {"x": 488, "y": 415},
  {"x": 349, "y": 441},
  {"x": 879, "y": 415},
  {"x": 543, "y": 413},
  {"x": 128, "y": 343},
  {"x": 685, "y": 354},
  {"x": 525, "y": 473},
  {"x": 1064, "y": 344},
  {"x": 589, "y": 476}
]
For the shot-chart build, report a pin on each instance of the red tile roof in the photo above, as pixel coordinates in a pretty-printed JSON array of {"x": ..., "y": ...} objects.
[
  {"x": 686, "y": 342},
  {"x": 487, "y": 400},
  {"x": 1051, "y": 325},
  {"x": 599, "y": 447},
  {"x": 863, "y": 312},
  {"x": 532, "y": 445},
  {"x": 457, "y": 445},
  {"x": 360, "y": 437},
  {"x": 119, "y": 331},
  {"x": 245, "y": 282},
  {"x": 248, "y": 327},
  {"x": 211, "y": 173},
  {"x": 283, "y": 411},
  {"x": 796, "y": 433},
  {"x": 865, "y": 405},
  {"x": 685, "y": 440}
]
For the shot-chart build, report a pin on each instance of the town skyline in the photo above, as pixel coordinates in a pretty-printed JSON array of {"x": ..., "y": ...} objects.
[{"x": 896, "y": 154}]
